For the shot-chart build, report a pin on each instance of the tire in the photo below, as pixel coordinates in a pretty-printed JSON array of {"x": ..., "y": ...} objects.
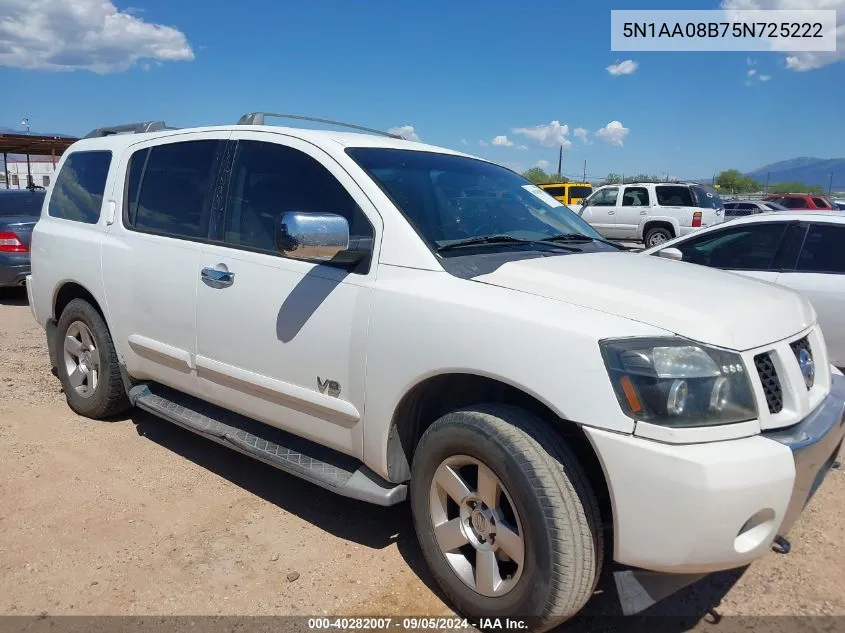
[
  {"x": 656, "y": 236},
  {"x": 547, "y": 496},
  {"x": 105, "y": 395}
]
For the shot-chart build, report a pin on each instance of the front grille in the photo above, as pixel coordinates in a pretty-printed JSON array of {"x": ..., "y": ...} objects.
[
  {"x": 771, "y": 383},
  {"x": 802, "y": 344}
]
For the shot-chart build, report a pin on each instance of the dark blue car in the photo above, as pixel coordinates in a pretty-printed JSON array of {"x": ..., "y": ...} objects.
[{"x": 19, "y": 211}]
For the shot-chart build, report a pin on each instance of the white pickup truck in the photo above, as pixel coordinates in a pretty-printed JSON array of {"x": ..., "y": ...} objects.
[{"x": 388, "y": 319}]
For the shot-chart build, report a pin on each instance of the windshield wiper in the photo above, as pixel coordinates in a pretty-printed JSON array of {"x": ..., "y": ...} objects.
[
  {"x": 580, "y": 237},
  {"x": 496, "y": 239}
]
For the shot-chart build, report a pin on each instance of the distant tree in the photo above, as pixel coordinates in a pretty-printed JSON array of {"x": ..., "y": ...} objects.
[
  {"x": 612, "y": 179},
  {"x": 795, "y": 187},
  {"x": 645, "y": 178},
  {"x": 540, "y": 177},
  {"x": 734, "y": 181}
]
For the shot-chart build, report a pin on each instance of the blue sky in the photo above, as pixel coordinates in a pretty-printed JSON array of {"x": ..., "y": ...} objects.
[{"x": 458, "y": 72}]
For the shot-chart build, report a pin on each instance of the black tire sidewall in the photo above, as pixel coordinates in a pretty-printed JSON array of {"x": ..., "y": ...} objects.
[
  {"x": 80, "y": 310},
  {"x": 530, "y": 595}
]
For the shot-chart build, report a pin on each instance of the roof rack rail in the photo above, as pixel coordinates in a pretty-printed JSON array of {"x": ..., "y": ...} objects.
[
  {"x": 257, "y": 118},
  {"x": 128, "y": 128}
]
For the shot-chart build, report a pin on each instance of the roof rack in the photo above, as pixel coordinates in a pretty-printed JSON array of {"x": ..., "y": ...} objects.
[
  {"x": 257, "y": 118},
  {"x": 129, "y": 128}
]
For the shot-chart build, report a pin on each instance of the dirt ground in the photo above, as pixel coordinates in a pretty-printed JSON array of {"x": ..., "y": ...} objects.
[{"x": 138, "y": 517}]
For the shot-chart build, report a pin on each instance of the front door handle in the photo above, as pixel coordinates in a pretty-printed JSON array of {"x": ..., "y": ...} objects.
[
  {"x": 222, "y": 277},
  {"x": 611, "y": 212}
]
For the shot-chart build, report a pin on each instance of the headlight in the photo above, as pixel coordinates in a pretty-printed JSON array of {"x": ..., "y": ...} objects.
[{"x": 675, "y": 382}]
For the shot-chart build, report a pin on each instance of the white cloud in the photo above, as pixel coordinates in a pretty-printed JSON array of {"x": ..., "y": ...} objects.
[
  {"x": 613, "y": 133},
  {"x": 483, "y": 143},
  {"x": 542, "y": 164},
  {"x": 464, "y": 141},
  {"x": 751, "y": 72},
  {"x": 502, "y": 141},
  {"x": 623, "y": 68},
  {"x": 521, "y": 147},
  {"x": 550, "y": 135},
  {"x": 750, "y": 62},
  {"x": 66, "y": 35},
  {"x": 805, "y": 60},
  {"x": 581, "y": 133},
  {"x": 764, "y": 77},
  {"x": 405, "y": 131}
]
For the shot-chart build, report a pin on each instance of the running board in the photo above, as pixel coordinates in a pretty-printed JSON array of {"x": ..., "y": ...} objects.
[{"x": 318, "y": 464}]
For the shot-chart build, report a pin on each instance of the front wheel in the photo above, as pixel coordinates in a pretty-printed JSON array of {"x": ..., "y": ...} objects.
[{"x": 505, "y": 516}]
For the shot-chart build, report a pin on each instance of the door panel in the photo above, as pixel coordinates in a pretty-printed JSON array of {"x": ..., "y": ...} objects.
[
  {"x": 153, "y": 241},
  {"x": 284, "y": 341},
  {"x": 635, "y": 206},
  {"x": 601, "y": 212}
]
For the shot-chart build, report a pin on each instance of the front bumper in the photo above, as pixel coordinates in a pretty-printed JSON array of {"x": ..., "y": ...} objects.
[
  {"x": 700, "y": 508},
  {"x": 14, "y": 267}
]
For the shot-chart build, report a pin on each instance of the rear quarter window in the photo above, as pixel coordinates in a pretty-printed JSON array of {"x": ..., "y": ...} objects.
[
  {"x": 78, "y": 191},
  {"x": 674, "y": 196}
]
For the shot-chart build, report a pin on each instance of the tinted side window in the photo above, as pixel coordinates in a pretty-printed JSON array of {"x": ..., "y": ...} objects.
[
  {"x": 78, "y": 192},
  {"x": 268, "y": 180},
  {"x": 170, "y": 186},
  {"x": 605, "y": 197},
  {"x": 821, "y": 204},
  {"x": 555, "y": 191},
  {"x": 750, "y": 247},
  {"x": 793, "y": 203},
  {"x": 635, "y": 197},
  {"x": 671, "y": 196},
  {"x": 823, "y": 251}
]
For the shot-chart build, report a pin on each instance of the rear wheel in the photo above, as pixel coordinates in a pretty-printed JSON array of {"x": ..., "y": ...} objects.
[
  {"x": 505, "y": 516},
  {"x": 657, "y": 236},
  {"x": 88, "y": 367}
]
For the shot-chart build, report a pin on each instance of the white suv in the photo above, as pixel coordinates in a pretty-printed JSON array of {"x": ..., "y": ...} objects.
[
  {"x": 652, "y": 212},
  {"x": 387, "y": 319}
]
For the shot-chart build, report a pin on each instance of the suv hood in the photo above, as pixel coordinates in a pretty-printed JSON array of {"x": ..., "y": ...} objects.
[{"x": 703, "y": 304}]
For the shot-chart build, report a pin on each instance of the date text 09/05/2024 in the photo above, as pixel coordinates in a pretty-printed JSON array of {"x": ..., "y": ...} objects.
[
  {"x": 416, "y": 623},
  {"x": 723, "y": 29}
]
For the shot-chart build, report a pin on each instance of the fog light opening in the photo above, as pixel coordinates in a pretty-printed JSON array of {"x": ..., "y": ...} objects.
[{"x": 756, "y": 531}]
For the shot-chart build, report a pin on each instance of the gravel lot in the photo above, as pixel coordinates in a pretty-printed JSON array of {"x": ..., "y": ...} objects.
[{"x": 137, "y": 516}]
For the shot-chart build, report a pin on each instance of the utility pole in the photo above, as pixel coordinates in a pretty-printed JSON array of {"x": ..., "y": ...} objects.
[
  {"x": 830, "y": 185},
  {"x": 768, "y": 173},
  {"x": 584, "y": 179},
  {"x": 560, "y": 163}
]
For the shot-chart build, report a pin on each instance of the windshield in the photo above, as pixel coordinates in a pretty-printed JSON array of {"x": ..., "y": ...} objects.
[
  {"x": 451, "y": 198},
  {"x": 708, "y": 198}
]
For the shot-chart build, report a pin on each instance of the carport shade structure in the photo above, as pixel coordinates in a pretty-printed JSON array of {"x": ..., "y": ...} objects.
[{"x": 32, "y": 145}]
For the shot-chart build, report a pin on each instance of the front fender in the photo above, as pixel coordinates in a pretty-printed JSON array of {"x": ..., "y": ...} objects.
[{"x": 426, "y": 323}]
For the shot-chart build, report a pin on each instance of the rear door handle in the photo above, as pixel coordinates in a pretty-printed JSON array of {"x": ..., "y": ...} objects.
[{"x": 222, "y": 277}]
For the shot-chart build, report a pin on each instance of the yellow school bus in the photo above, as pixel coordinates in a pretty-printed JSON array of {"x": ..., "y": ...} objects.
[{"x": 568, "y": 192}]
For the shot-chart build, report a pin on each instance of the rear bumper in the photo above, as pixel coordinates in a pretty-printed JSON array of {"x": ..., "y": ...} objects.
[
  {"x": 695, "y": 509},
  {"x": 14, "y": 267}
]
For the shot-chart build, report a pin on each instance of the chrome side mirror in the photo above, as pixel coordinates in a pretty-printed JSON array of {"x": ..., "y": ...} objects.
[
  {"x": 671, "y": 253},
  {"x": 312, "y": 236}
]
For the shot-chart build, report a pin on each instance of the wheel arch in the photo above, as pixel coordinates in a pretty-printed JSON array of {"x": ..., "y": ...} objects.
[
  {"x": 667, "y": 223},
  {"x": 435, "y": 395},
  {"x": 67, "y": 291}
]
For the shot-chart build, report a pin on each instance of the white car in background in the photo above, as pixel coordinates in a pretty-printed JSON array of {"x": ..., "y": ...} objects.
[
  {"x": 803, "y": 251},
  {"x": 652, "y": 212}
]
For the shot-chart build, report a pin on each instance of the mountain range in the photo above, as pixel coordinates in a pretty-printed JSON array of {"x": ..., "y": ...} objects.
[{"x": 805, "y": 169}]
